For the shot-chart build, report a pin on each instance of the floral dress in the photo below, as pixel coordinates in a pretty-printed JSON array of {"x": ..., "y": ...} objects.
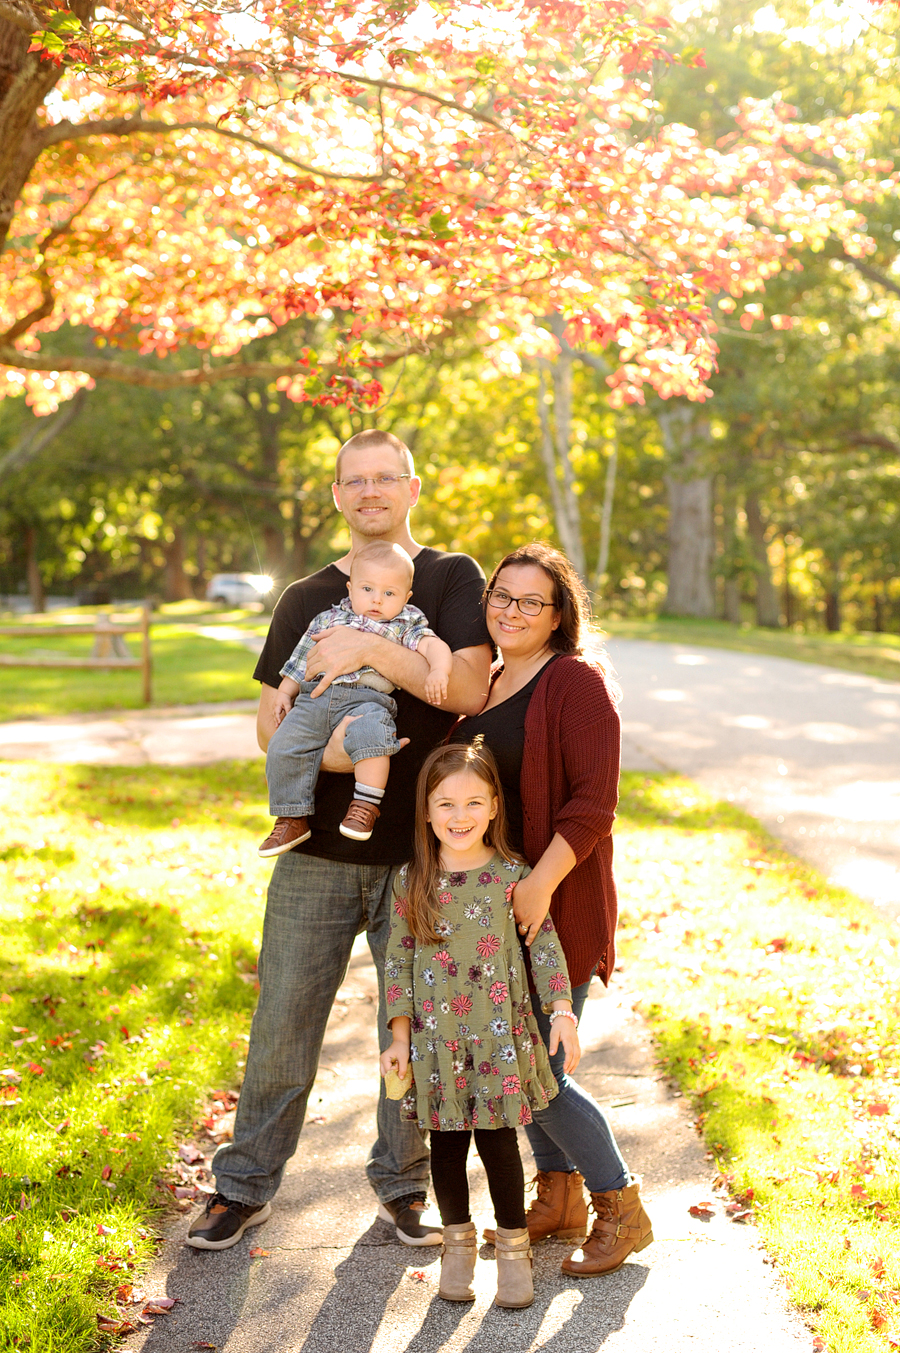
[{"x": 477, "y": 1057}]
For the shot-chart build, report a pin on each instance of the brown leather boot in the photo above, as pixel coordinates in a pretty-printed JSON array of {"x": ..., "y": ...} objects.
[
  {"x": 620, "y": 1228},
  {"x": 558, "y": 1210},
  {"x": 458, "y": 1262}
]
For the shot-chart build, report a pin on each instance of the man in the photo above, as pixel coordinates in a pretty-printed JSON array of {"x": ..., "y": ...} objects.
[{"x": 327, "y": 890}]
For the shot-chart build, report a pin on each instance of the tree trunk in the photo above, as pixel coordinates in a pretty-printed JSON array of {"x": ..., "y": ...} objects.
[
  {"x": 555, "y": 436},
  {"x": 833, "y": 609},
  {"x": 609, "y": 489},
  {"x": 33, "y": 572},
  {"x": 178, "y": 584},
  {"x": 686, "y": 436},
  {"x": 767, "y": 608},
  {"x": 731, "y": 601}
]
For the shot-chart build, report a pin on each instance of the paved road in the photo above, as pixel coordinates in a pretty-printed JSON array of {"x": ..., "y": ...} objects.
[
  {"x": 811, "y": 751},
  {"x": 335, "y": 1280}
]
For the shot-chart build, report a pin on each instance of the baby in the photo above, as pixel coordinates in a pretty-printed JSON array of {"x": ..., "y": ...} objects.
[{"x": 381, "y": 575}]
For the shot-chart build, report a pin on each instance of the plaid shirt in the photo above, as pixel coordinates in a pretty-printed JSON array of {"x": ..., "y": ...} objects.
[{"x": 409, "y": 628}]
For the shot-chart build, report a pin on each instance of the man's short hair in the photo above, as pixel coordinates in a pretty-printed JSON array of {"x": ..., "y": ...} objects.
[
  {"x": 383, "y": 554},
  {"x": 371, "y": 440}
]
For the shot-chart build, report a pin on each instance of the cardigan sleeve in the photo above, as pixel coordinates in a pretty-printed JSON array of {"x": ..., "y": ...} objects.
[{"x": 590, "y": 743}]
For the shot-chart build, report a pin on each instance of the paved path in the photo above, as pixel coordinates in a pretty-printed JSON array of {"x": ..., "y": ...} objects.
[
  {"x": 335, "y": 1280},
  {"x": 812, "y": 751}
]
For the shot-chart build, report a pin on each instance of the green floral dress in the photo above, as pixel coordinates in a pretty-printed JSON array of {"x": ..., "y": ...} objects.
[{"x": 477, "y": 1057}]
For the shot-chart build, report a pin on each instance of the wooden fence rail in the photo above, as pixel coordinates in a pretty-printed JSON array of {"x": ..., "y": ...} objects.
[{"x": 109, "y": 648}]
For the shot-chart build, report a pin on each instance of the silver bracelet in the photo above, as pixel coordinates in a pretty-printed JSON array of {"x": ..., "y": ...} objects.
[{"x": 564, "y": 1014}]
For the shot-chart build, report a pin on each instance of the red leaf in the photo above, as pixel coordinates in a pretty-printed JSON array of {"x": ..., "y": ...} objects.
[
  {"x": 703, "y": 1210},
  {"x": 35, "y": 1068},
  {"x": 876, "y": 1110},
  {"x": 258, "y": 1253},
  {"x": 106, "y": 1172}
]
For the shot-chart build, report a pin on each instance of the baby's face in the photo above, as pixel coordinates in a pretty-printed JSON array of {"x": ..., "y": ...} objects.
[{"x": 379, "y": 593}]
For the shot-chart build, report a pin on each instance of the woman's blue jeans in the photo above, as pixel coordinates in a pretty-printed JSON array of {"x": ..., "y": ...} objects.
[{"x": 573, "y": 1132}]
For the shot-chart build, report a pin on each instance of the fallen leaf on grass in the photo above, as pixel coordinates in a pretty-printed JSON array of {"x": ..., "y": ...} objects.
[
  {"x": 109, "y": 1325},
  {"x": 106, "y": 1172},
  {"x": 702, "y": 1210},
  {"x": 259, "y": 1253},
  {"x": 11, "y": 1074},
  {"x": 876, "y": 1110}
]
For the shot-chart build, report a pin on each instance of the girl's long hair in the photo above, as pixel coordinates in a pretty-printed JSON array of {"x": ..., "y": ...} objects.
[{"x": 424, "y": 870}]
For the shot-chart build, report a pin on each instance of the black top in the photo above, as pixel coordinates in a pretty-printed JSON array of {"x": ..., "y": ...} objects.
[
  {"x": 503, "y": 729},
  {"x": 448, "y": 588}
]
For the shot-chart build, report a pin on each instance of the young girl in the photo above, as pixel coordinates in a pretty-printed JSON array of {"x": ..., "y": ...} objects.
[{"x": 460, "y": 1013}]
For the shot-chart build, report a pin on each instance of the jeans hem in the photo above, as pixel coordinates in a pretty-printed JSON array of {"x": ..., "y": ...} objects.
[
  {"x": 368, "y": 753},
  {"x": 291, "y": 810},
  {"x": 235, "y": 1195}
]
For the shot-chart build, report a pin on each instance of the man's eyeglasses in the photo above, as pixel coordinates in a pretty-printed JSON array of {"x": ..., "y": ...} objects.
[
  {"x": 527, "y": 605},
  {"x": 381, "y": 481}
]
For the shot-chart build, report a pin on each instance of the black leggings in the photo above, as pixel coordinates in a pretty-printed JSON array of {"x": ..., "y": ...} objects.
[{"x": 499, "y": 1152}]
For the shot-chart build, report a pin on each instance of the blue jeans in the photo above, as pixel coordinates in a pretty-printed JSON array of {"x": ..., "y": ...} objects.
[
  {"x": 315, "y": 910},
  {"x": 295, "y": 751},
  {"x": 573, "y": 1132}
]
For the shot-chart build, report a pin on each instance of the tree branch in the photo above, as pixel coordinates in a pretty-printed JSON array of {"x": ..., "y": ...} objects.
[
  {"x": 154, "y": 378},
  {"x": 41, "y": 435},
  {"x": 134, "y": 126},
  {"x": 870, "y": 273}
]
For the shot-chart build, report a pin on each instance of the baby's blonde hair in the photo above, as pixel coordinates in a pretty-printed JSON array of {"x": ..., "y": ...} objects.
[{"x": 384, "y": 555}]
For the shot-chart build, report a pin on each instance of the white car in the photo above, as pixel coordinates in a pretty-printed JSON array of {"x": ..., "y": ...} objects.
[{"x": 238, "y": 589}]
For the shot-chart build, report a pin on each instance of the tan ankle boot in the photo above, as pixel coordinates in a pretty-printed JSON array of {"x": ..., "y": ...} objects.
[
  {"x": 515, "y": 1287},
  {"x": 620, "y": 1228},
  {"x": 458, "y": 1262},
  {"x": 558, "y": 1210}
]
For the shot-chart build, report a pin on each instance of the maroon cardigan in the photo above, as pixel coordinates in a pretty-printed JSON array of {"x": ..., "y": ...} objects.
[{"x": 570, "y": 784}]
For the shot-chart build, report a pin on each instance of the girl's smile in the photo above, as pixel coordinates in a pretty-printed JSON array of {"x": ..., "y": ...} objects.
[{"x": 460, "y": 810}]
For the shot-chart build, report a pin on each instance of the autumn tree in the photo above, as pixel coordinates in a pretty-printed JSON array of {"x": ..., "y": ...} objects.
[{"x": 176, "y": 176}]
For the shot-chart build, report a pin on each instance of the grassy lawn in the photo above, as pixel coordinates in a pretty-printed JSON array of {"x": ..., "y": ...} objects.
[
  {"x": 875, "y": 655},
  {"x": 133, "y": 902},
  {"x": 189, "y": 667},
  {"x": 775, "y": 1003}
]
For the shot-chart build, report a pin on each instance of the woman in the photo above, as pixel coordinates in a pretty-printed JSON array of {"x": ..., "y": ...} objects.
[{"x": 553, "y": 728}]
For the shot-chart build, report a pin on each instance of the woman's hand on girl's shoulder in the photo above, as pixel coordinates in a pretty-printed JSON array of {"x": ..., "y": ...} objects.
[{"x": 531, "y": 903}]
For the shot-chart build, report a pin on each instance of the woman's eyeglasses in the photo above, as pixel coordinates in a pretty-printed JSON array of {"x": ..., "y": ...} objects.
[
  {"x": 527, "y": 605},
  {"x": 381, "y": 481}
]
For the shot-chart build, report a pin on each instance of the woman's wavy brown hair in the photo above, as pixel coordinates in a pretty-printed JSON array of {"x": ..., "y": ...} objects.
[{"x": 424, "y": 870}]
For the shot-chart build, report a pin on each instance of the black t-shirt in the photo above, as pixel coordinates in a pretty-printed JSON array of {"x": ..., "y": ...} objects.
[
  {"x": 448, "y": 589},
  {"x": 503, "y": 730}
]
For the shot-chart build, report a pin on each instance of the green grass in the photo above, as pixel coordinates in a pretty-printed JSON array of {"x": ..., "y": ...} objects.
[
  {"x": 188, "y": 668},
  {"x": 875, "y": 655},
  {"x": 775, "y": 1003},
  {"x": 132, "y": 904}
]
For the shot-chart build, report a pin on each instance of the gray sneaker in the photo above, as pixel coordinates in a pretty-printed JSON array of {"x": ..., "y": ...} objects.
[
  {"x": 405, "y": 1215},
  {"x": 223, "y": 1222}
]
